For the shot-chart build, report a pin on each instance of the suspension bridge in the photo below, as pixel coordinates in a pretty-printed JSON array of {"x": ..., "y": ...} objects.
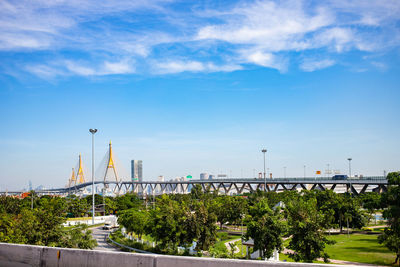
[{"x": 113, "y": 183}]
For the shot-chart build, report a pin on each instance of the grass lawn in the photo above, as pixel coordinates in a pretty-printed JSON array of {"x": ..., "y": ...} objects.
[
  {"x": 359, "y": 248},
  {"x": 356, "y": 248}
]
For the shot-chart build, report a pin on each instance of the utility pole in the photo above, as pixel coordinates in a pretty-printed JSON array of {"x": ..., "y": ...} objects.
[
  {"x": 265, "y": 178},
  {"x": 92, "y": 131}
]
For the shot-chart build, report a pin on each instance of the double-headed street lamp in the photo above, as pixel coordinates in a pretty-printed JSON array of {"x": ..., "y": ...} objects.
[
  {"x": 92, "y": 131},
  {"x": 265, "y": 179}
]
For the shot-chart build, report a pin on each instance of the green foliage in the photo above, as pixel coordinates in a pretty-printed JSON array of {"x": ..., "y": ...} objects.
[
  {"x": 222, "y": 236},
  {"x": 201, "y": 225},
  {"x": 10, "y": 205},
  {"x": 266, "y": 227},
  {"x": 134, "y": 221},
  {"x": 77, "y": 207},
  {"x": 42, "y": 226},
  {"x": 306, "y": 225},
  {"x": 98, "y": 199},
  {"x": 128, "y": 201},
  {"x": 196, "y": 192},
  {"x": 166, "y": 224},
  {"x": 229, "y": 209},
  {"x": 78, "y": 237},
  {"x": 218, "y": 250},
  {"x": 371, "y": 201},
  {"x": 338, "y": 209},
  {"x": 391, "y": 235}
]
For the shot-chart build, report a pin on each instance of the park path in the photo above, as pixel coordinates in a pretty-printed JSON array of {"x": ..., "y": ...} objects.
[
  {"x": 100, "y": 235},
  {"x": 237, "y": 250}
]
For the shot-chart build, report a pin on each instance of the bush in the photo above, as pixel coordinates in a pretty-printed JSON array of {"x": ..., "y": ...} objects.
[{"x": 222, "y": 236}]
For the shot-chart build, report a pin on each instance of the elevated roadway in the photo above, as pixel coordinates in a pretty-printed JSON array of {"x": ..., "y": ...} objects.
[{"x": 232, "y": 186}]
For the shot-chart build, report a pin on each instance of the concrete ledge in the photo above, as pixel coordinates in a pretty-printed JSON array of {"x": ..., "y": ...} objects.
[{"x": 39, "y": 256}]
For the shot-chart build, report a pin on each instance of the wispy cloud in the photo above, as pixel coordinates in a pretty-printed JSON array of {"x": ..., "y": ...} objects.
[
  {"x": 312, "y": 65},
  {"x": 192, "y": 66},
  {"x": 106, "y": 68},
  {"x": 171, "y": 38}
]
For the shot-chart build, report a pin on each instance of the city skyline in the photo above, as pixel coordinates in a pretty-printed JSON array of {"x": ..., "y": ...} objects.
[{"x": 198, "y": 87}]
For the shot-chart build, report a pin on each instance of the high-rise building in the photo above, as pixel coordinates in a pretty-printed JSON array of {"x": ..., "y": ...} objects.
[{"x": 136, "y": 170}]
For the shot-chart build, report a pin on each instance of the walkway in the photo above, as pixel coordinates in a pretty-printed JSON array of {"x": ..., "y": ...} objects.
[{"x": 100, "y": 235}]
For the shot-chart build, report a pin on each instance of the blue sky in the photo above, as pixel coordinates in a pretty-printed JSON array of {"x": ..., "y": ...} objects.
[{"x": 202, "y": 86}]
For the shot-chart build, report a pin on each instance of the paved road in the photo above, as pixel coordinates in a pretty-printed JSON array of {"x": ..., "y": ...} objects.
[{"x": 99, "y": 234}]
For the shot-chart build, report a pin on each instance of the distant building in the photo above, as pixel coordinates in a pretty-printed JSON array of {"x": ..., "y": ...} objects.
[
  {"x": 203, "y": 176},
  {"x": 211, "y": 177},
  {"x": 161, "y": 178},
  {"x": 222, "y": 176},
  {"x": 136, "y": 170}
]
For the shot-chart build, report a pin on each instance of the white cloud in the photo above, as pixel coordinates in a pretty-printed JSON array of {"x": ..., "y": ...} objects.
[
  {"x": 69, "y": 67},
  {"x": 265, "y": 59},
  {"x": 44, "y": 71},
  {"x": 380, "y": 65},
  {"x": 192, "y": 66},
  {"x": 106, "y": 68},
  {"x": 122, "y": 67},
  {"x": 337, "y": 38},
  {"x": 312, "y": 65},
  {"x": 274, "y": 26},
  {"x": 267, "y": 33}
]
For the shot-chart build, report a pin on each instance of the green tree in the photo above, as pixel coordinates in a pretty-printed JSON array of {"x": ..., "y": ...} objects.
[
  {"x": 9, "y": 230},
  {"x": 266, "y": 227},
  {"x": 306, "y": 225},
  {"x": 166, "y": 223},
  {"x": 349, "y": 212},
  {"x": 371, "y": 201},
  {"x": 78, "y": 237},
  {"x": 10, "y": 205},
  {"x": 196, "y": 192},
  {"x": 110, "y": 205},
  {"x": 128, "y": 201},
  {"x": 134, "y": 221},
  {"x": 229, "y": 209},
  {"x": 391, "y": 236},
  {"x": 201, "y": 226},
  {"x": 41, "y": 225},
  {"x": 77, "y": 207}
]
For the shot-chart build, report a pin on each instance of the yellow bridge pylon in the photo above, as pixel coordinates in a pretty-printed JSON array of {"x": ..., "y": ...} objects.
[
  {"x": 72, "y": 180},
  {"x": 79, "y": 174},
  {"x": 110, "y": 164}
]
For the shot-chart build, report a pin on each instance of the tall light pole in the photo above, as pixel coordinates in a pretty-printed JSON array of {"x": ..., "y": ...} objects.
[
  {"x": 284, "y": 172},
  {"x": 265, "y": 179},
  {"x": 349, "y": 159},
  {"x": 92, "y": 131},
  {"x": 304, "y": 171}
]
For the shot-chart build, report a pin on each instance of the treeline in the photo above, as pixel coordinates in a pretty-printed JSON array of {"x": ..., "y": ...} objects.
[
  {"x": 39, "y": 222},
  {"x": 179, "y": 220}
]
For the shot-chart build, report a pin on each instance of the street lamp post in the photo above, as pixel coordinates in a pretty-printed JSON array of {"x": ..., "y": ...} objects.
[
  {"x": 92, "y": 131},
  {"x": 265, "y": 179},
  {"x": 304, "y": 171},
  {"x": 284, "y": 172},
  {"x": 349, "y": 159}
]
